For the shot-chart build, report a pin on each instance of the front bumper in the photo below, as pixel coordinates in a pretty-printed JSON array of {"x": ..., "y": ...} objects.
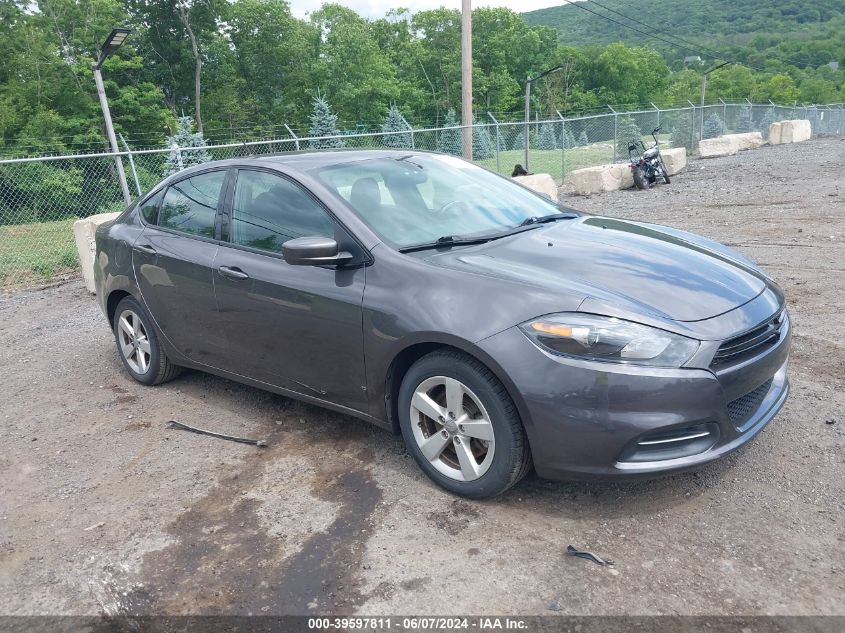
[{"x": 589, "y": 419}]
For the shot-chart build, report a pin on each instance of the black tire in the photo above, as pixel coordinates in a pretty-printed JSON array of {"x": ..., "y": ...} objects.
[
  {"x": 665, "y": 173},
  {"x": 159, "y": 367},
  {"x": 640, "y": 178},
  {"x": 511, "y": 459}
]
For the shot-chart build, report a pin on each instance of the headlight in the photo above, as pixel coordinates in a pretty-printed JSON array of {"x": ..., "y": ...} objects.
[{"x": 609, "y": 339}]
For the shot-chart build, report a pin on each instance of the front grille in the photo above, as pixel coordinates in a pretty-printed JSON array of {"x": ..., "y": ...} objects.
[
  {"x": 741, "y": 409},
  {"x": 751, "y": 343}
]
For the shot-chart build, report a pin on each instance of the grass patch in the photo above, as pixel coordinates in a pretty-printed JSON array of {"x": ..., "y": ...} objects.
[
  {"x": 35, "y": 252},
  {"x": 549, "y": 161}
]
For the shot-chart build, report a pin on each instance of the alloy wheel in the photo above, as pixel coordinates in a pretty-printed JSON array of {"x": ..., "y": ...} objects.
[
  {"x": 452, "y": 428},
  {"x": 134, "y": 343}
]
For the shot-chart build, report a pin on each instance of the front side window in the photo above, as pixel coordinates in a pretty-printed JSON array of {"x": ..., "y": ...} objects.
[
  {"x": 418, "y": 198},
  {"x": 269, "y": 210},
  {"x": 190, "y": 205}
]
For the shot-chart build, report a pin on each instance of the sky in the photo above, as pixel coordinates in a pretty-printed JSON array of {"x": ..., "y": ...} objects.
[{"x": 377, "y": 8}]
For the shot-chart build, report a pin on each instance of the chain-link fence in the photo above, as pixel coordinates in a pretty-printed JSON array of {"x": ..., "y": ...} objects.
[{"x": 41, "y": 197}]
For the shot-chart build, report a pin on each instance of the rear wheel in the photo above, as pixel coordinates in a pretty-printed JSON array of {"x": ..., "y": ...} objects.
[
  {"x": 461, "y": 426},
  {"x": 640, "y": 178},
  {"x": 138, "y": 345}
]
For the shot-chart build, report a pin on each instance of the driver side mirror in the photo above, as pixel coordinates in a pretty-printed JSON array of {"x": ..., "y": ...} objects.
[{"x": 314, "y": 251}]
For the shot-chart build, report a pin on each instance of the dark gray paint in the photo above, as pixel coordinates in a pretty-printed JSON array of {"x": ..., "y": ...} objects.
[{"x": 336, "y": 337}]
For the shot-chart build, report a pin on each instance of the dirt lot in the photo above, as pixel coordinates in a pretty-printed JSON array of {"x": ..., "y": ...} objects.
[{"x": 102, "y": 508}]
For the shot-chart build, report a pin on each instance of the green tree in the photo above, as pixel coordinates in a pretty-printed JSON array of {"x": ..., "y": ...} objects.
[
  {"x": 482, "y": 144},
  {"x": 359, "y": 80},
  {"x": 395, "y": 122},
  {"x": 744, "y": 122},
  {"x": 547, "y": 138},
  {"x": 583, "y": 139},
  {"x": 626, "y": 132},
  {"x": 450, "y": 141},
  {"x": 324, "y": 124},
  {"x": 682, "y": 134},
  {"x": 187, "y": 147},
  {"x": 714, "y": 126}
]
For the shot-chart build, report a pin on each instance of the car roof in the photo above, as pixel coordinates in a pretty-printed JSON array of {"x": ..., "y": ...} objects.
[{"x": 304, "y": 160}]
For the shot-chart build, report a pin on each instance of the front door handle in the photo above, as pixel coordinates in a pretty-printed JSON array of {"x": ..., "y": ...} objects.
[
  {"x": 146, "y": 248},
  {"x": 233, "y": 272}
]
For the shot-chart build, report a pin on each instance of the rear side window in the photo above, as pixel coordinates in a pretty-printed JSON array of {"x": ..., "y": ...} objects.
[
  {"x": 190, "y": 205},
  {"x": 150, "y": 209}
]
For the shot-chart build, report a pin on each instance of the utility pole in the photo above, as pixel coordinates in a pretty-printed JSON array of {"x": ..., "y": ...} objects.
[
  {"x": 466, "y": 77},
  {"x": 112, "y": 43},
  {"x": 528, "y": 83}
]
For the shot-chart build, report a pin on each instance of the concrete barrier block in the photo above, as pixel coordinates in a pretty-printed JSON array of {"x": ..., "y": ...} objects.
[
  {"x": 541, "y": 183},
  {"x": 775, "y": 130},
  {"x": 795, "y": 131},
  {"x": 748, "y": 140},
  {"x": 591, "y": 180},
  {"x": 83, "y": 234},
  {"x": 675, "y": 159},
  {"x": 719, "y": 146}
]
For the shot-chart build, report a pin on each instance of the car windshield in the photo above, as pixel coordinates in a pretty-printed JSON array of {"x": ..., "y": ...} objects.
[{"x": 417, "y": 199}]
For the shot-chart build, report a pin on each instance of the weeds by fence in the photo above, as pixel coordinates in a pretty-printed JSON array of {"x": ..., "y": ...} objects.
[{"x": 41, "y": 197}]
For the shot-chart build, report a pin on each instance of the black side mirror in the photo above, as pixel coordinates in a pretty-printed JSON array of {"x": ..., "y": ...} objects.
[{"x": 314, "y": 251}]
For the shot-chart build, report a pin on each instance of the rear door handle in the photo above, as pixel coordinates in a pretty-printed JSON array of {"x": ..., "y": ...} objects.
[
  {"x": 233, "y": 272},
  {"x": 146, "y": 248}
]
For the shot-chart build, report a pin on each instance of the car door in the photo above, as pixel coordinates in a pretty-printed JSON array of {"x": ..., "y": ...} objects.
[
  {"x": 173, "y": 260},
  {"x": 298, "y": 327}
]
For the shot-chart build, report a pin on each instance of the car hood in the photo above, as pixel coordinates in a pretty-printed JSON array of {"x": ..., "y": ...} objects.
[{"x": 645, "y": 268}]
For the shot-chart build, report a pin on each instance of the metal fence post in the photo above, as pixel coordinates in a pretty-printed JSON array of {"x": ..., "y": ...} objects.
[
  {"x": 405, "y": 121},
  {"x": 295, "y": 137},
  {"x": 496, "y": 123},
  {"x": 658, "y": 113},
  {"x": 724, "y": 112},
  {"x": 692, "y": 127},
  {"x": 562, "y": 146},
  {"x": 615, "y": 131},
  {"x": 131, "y": 164}
]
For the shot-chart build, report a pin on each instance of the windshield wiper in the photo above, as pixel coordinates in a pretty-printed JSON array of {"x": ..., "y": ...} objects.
[
  {"x": 543, "y": 219},
  {"x": 446, "y": 241}
]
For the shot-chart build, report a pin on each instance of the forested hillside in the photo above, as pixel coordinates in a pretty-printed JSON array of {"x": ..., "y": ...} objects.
[
  {"x": 756, "y": 32},
  {"x": 244, "y": 68}
]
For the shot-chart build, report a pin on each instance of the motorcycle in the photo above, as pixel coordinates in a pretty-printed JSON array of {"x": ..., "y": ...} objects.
[{"x": 646, "y": 164}]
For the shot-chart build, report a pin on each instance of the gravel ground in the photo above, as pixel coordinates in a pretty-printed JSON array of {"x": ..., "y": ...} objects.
[{"x": 104, "y": 509}]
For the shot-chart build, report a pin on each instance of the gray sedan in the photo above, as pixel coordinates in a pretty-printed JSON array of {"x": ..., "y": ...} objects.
[{"x": 492, "y": 328}]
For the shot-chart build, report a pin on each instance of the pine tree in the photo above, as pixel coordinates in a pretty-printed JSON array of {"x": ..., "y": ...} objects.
[
  {"x": 682, "y": 134},
  {"x": 192, "y": 147},
  {"x": 482, "y": 145},
  {"x": 626, "y": 132},
  {"x": 568, "y": 139},
  {"x": 324, "y": 123},
  {"x": 547, "y": 138},
  {"x": 519, "y": 140},
  {"x": 449, "y": 140},
  {"x": 583, "y": 139},
  {"x": 743, "y": 120},
  {"x": 395, "y": 122},
  {"x": 714, "y": 126},
  {"x": 767, "y": 119}
]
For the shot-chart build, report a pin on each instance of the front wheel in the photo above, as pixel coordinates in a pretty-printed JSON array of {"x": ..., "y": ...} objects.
[
  {"x": 461, "y": 426},
  {"x": 640, "y": 177},
  {"x": 664, "y": 172}
]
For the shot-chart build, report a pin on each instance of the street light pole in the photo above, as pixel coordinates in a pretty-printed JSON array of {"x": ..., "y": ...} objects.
[
  {"x": 466, "y": 77},
  {"x": 112, "y": 43},
  {"x": 528, "y": 83}
]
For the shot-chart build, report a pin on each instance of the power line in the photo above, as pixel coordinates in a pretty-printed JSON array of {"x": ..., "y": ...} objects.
[
  {"x": 697, "y": 51},
  {"x": 702, "y": 47}
]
